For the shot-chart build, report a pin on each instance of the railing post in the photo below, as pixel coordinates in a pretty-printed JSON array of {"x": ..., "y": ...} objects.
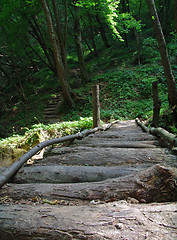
[
  {"x": 156, "y": 105},
  {"x": 96, "y": 106}
]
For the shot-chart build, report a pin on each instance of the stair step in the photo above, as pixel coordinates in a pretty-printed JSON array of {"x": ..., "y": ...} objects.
[{"x": 50, "y": 110}]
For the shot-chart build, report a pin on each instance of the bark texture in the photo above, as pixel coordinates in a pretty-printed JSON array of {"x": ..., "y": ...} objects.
[
  {"x": 168, "y": 137},
  {"x": 77, "y": 30},
  {"x": 71, "y": 174},
  {"x": 156, "y": 184},
  {"x": 118, "y": 220},
  {"x": 59, "y": 66},
  {"x": 108, "y": 209}
]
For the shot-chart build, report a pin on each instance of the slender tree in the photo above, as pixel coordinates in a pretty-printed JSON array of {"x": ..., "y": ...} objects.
[
  {"x": 172, "y": 90},
  {"x": 54, "y": 42},
  {"x": 77, "y": 31},
  {"x": 59, "y": 33}
]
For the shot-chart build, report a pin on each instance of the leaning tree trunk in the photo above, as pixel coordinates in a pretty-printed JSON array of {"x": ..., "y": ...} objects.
[
  {"x": 59, "y": 33},
  {"x": 77, "y": 30},
  {"x": 59, "y": 65},
  {"x": 172, "y": 90}
]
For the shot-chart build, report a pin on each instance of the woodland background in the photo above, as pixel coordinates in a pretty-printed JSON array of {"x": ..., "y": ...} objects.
[{"x": 65, "y": 46}]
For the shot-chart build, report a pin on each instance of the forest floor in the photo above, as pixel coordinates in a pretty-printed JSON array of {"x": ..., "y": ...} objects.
[{"x": 115, "y": 184}]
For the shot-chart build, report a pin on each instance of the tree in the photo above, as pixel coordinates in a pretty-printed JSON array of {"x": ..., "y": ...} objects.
[
  {"x": 59, "y": 33},
  {"x": 77, "y": 31},
  {"x": 172, "y": 90},
  {"x": 59, "y": 66}
]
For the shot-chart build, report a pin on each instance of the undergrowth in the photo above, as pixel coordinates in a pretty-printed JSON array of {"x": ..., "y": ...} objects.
[
  {"x": 125, "y": 90},
  {"x": 41, "y": 132}
]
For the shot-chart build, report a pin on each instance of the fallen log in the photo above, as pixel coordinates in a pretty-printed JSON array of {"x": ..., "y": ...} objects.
[
  {"x": 155, "y": 184},
  {"x": 118, "y": 220},
  {"x": 117, "y": 143},
  {"x": 122, "y": 136},
  {"x": 10, "y": 171},
  {"x": 146, "y": 129},
  {"x": 87, "y": 156},
  {"x": 169, "y": 137},
  {"x": 71, "y": 174}
]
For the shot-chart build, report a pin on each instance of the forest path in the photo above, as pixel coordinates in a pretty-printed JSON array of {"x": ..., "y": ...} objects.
[{"x": 94, "y": 189}]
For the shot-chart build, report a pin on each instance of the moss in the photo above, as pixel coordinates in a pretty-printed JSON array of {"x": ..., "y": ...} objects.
[{"x": 9, "y": 155}]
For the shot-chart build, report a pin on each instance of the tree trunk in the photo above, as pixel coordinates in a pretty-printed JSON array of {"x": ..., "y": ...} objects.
[
  {"x": 77, "y": 30},
  {"x": 172, "y": 90},
  {"x": 59, "y": 33},
  {"x": 60, "y": 69},
  {"x": 155, "y": 184},
  {"x": 36, "y": 33}
]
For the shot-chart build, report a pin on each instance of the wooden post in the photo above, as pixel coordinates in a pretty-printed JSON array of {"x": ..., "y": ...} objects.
[
  {"x": 156, "y": 105},
  {"x": 96, "y": 106}
]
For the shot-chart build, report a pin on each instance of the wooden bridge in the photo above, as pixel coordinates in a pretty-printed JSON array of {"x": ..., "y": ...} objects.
[{"x": 114, "y": 184}]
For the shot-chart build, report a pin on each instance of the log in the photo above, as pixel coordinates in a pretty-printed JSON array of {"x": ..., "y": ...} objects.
[
  {"x": 71, "y": 174},
  {"x": 155, "y": 184},
  {"x": 122, "y": 136},
  {"x": 169, "y": 137},
  {"x": 87, "y": 156},
  {"x": 118, "y": 220},
  {"x": 108, "y": 143},
  {"x": 9, "y": 172},
  {"x": 146, "y": 129}
]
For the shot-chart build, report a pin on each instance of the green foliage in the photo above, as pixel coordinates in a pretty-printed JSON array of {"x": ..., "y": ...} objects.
[
  {"x": 125, "y": 88},
  {"x": 41, "y": 132},
  {"x": 150, "y": 51}
]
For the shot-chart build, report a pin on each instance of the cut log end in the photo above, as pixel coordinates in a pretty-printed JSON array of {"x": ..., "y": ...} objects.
[{"x": 157, "y": 184}]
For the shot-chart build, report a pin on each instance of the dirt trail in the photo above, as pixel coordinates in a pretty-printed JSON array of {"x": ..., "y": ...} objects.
[{"x": 122, "y": 171}]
